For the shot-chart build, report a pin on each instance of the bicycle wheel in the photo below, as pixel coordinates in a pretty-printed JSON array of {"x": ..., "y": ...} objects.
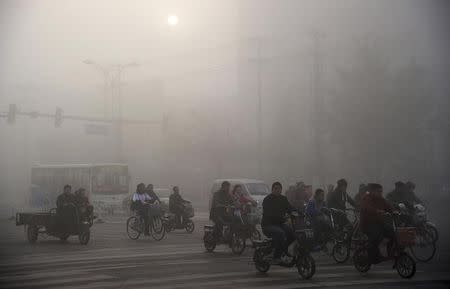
[
  {"x": 432, "y": 231},
  {"x": 133, "y": 228},
  {"x": 157, "y": 228},
  {"x": 189, "y": 226},
  {"x": 424, "y": 248}
]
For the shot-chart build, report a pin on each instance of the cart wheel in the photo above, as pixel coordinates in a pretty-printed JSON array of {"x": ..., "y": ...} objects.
[
  {"x": 84, "y": 237},
  {"x": 209, "y": 241},
  {"x": 189, "y": 226},
  {"x": 237, "y": 243},
  {"x": 32, "y": 233},
  {"x": 406, "y": 266},
  {"x": 306, "y": 266},
  {"x": 260, "y": 264},
  {"x": 64, "y": 237}
]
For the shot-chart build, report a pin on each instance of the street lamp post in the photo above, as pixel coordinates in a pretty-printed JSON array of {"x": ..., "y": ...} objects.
[{"x": 113, "y": 74}]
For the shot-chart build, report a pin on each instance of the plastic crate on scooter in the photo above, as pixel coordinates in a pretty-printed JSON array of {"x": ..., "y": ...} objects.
[{"x": 189, "y": 210}]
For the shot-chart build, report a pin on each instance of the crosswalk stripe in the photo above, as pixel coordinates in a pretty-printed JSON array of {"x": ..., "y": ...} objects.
[
  {"x": 294, "y": 282},
  {"x": 57, "y": 281}
]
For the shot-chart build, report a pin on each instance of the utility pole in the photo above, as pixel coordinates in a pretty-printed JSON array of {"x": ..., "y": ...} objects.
[
  {"x": 259, "y": 118},
  {"x": 113, "y": 74},
  {"x": 318, "y": 104}
]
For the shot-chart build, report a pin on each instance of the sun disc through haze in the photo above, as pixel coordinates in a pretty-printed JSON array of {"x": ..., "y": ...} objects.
[{"x": 172, "y": 20}]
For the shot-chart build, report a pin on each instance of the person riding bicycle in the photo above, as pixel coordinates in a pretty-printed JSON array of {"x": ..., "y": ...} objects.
[
  {"x": 220, "y": 201},
  {"x": 153, "y": 196},
  {"x": 338, "y": 199},
  {"x": 140, "y": 202},
  {"x": 404, "y": 193},
  {"x": 275, "y": 208},
  {"x": 373, "y": 222},
  {"x": 318, "y": 212},
  {"x": 176, "y": 206}
]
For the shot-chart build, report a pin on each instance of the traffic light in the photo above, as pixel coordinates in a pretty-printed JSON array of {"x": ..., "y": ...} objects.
[
  {"x": 12, "y": 112},
  {"x": 58, "y": 117}
]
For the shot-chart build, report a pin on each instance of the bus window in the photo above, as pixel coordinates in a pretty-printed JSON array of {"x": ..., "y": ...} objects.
[{"x": 123, "y": 180}]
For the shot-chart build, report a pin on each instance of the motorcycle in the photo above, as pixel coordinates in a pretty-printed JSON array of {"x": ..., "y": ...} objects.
[
  {"x": 170, "y": 221},
  {"x": 234, "y": 233},
  {"x": 298, "y": 253},
  {"x": 403, "y": 262}
]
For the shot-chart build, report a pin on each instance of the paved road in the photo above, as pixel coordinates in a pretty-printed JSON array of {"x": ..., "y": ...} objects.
[{"x": 111, "y": 260}]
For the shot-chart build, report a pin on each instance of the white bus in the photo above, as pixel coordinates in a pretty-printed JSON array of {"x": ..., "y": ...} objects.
[{"x": 106, "y": 184}]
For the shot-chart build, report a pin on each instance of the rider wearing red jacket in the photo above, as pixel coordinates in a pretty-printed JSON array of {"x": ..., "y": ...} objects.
[{"x": 373, "y": 211}]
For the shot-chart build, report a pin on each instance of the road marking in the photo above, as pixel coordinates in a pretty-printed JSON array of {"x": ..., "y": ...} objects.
[{"x": 58, "y": 281}]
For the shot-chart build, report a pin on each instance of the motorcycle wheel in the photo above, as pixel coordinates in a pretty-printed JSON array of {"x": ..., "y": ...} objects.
[
  {"x": 260, "y": 264},
  {"x": 189, "y": 226},
  {"x": 237, "y": 243},
  {"x": 306, "y": 266},
  {"x": 341, "y": 252},
  {"x": 361, "y": 260},
  {"x": 133, "y": 228},
  {"x": 84, "y": 237},
  {"x": 209, "y": 241},
  {"x": 255, "y": 236},
  {"x": 157, "y": 228},
  {"x": 32, "y": 234},
  {"x": 406, "y": 266}
]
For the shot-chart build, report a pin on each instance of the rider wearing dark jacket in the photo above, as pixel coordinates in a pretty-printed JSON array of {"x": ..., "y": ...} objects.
[
  {"x": 65, "y": 209},
  {"x": 338, "y": 199},
  {"x": 153, "y": 196},
  {"x": 176, "y": 205},
  {"x": 275, "y": 208},
  {"x": 220, "y": 200},
  {"x": 404, "y": 193},
  {"x": 65, "y": 198}
]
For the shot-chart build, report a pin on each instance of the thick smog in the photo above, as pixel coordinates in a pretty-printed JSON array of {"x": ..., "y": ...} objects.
[{"x": 224, "y": 144}]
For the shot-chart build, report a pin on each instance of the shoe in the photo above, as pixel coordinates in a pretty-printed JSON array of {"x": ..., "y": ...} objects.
[
  {"x": 275, "y": 261},
  {"x": 286, "y": 259}
]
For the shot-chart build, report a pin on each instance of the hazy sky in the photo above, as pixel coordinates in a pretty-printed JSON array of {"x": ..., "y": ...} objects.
[{"x": 201, "y": 73}]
